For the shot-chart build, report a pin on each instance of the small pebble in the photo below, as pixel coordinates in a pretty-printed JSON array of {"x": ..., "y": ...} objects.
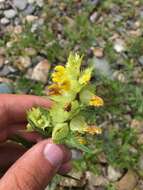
[
  {"x": 10, "y": 13},
  {"x": 141, "y": 60},
  {"x": 40, "y": 3},
  {"x": 5, "y": 71},
  {"x": 4, "y": 21},
  {"x": 1, "y": 61},
  {"x": 41, "y": 70},
  {"x": 20, "y": 4},
  {"x": 98, "y": 52},
  {"x": 119, "y": 46},
  {"x": 31, "y": 18},
  {"x": 96, "y": 180},
  {"x": 113, "y": 174},
  {"x": 23, "y": 62},
  {"x": 17, "y": 29},
  {"x": 31, "y": 1},
  {"x": 29, "y": 10},
  {"x": 95, "y": 2},
  {"x": 94, "y": 17},
  {"x": 141, "y": 14},
  {"x": 102, "y": 66},
  {"x": 128, "y": 182}
]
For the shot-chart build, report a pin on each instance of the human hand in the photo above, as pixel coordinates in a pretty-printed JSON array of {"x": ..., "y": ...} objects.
[{"x": 35, "y": 167}]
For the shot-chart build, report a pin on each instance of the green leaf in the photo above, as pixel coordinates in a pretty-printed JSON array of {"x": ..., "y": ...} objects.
[
  {"x": 58, "y": 114},
  {"x": 72, "y": 142},
  {"x": 60, "y": 132},
  {"x": 78, "y": 124},
  {"x": 85, "y": 96}
]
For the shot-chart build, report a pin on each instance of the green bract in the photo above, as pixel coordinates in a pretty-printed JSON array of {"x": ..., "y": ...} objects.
[{"x": 71, "y": 92}]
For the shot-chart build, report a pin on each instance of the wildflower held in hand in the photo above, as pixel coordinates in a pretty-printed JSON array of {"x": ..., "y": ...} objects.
[{"x": 71, "y": 91}]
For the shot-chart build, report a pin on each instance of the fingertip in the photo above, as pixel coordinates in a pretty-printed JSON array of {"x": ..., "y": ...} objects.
[
  {"x": 54, "y": 154},
  {"x": 67, "y": 153},
  {"x": 42, "y": 101},
  {"x": 65, "y": 168}
]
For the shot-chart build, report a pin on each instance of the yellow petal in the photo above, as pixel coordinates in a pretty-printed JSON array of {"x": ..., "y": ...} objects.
[
  {"x": 81, "y": 140},
  {"x": 93, "y": 130},
  {"x": 96, "y": 101},
  {"x": 60, "y": 68},
  {"x": 59, "y": 74},
  {"x": 54, "y": 90},
  {"x": 65, "y": 85},
  {"x": 86, "y": 76}
]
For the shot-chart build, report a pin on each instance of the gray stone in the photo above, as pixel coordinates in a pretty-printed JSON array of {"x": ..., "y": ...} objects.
[
  {"x": 141, "y": 60},
  {"x": 20, "y": 4},
  {"x": 5, "y": 88},
  {"x": 128, "y": 182},
  {"x": 31, "y": 1},
  {"x": 102, "y": 67},
  {"x": 4, "y": 21},
  {"x": 10, "y": 13},
  {"x": 17, "y": 21},
  {"x": 1, "y": 61},
  {"x": 76, "y": 154},
  {"x": 130, "y": 24},
  {"x": 5, "y": 71},
  {"x": 40, "y": 3},
  {"x": 119, "y": 45},
  {"x": 94, "y": 17},
  {"x": 141, "y": 14},
  {"x": 23, "y": 62},
  {"x": 69, "y": 182},
  {"x": 95, "y": 2},
  {"x": 114, "y": 174},
  {"x": 118, "y": 18},
  {"x": 2, "y": 1},
  {"x": 41, "y": 70},
  {"x": 96, "y": 180},
  {"x": 2, "y": 7},
  {"x": 29, "y": 10}
]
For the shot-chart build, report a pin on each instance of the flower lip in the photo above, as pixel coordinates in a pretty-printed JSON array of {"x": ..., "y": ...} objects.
[
  {"x": 96, "y": 101},
  {"x": 93, "y": 130}
]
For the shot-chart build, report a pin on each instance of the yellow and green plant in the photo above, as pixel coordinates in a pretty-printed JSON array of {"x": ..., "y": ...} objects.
[{"x": 71, "y": 92}]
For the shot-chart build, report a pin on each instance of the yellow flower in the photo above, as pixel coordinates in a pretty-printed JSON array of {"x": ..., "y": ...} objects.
[
  {"x": 81, "y": 140},
  {"x": 96, "y": 101},
  {"x": 86, "y": 76},
  {"x": 93, "y": 130},
  {"x": 59, "y": 88},
  {"x": 54, "y": 89},
  {"x": 60, "y": 68},
  {"x": 59, "y": 74},
  {"x": 65, "y": 85}
]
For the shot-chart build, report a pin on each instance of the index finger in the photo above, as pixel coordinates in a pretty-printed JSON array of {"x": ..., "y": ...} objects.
[{"x": 13, "y": 107}]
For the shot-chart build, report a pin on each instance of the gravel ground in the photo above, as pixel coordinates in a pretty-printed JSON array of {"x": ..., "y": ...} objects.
[{"x": 36, "y": 35}]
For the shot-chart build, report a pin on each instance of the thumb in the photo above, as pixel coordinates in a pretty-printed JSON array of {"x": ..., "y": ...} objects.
[{"x": 36, "y": 167}]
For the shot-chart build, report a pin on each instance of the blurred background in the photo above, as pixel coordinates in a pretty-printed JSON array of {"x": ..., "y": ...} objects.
[{"x": 36, "y": 35}]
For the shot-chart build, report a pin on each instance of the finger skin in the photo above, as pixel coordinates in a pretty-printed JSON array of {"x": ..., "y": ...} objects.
[
  {"x": 33, "y": 170},
  {"x": 13, "y": 110},
  {"x": 65, "y": 168},
  {"x": 9, "y": 153},
  {"x": 13, "y": 107}
]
